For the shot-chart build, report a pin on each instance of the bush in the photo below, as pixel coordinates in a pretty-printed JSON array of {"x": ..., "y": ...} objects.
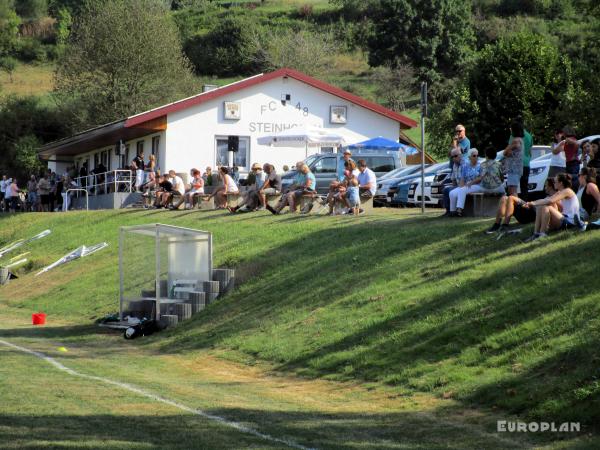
[
  {"x": 227, "y": 50},
  {"x": 301, "y": 50},
  {"x": 30, "y": 49}
]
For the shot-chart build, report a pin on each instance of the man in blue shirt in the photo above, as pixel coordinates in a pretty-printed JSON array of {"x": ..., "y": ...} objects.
[{"x": 461, "y": 140}]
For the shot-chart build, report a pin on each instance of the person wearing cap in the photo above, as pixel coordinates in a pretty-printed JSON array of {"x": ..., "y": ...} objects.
[
  {"x": 250, "y": 200},
  {"x": 347, "y": 156},
  {"x": 461, "y": 141}
]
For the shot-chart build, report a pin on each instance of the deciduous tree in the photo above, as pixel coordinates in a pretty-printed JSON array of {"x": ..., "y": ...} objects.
[
  {"x": 433, "y": 36},
  {"x": 123, "y": 58},
  {"x": 523, "y": 74}
]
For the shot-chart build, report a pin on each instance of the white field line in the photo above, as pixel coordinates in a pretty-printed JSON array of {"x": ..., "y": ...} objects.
[{"x": 136, "y": 390}]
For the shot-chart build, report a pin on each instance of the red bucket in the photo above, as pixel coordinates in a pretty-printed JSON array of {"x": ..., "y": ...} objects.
[{"x": 38, "y": 319}]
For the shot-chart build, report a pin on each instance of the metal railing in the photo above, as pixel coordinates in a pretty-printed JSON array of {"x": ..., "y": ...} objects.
[{"x": 106, "y": 182}]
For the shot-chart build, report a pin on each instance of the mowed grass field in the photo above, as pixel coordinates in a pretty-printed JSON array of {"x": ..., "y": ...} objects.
[{"x": 392, "y": 330}]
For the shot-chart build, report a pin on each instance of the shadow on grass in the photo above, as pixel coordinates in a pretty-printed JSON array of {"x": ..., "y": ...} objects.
[
  {"x": 53, "y": 332},
  {"x": 314, "y": 430},
  {"x": 345, "y": 303}
]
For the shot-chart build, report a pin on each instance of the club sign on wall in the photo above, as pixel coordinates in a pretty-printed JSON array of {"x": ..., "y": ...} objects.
[{"x": 274, "y": 108}]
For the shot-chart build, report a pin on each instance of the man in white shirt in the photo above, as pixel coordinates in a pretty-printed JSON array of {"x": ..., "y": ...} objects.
[
  {"x": 178, "y": 187},
  {"x": 367, "y": 181}
]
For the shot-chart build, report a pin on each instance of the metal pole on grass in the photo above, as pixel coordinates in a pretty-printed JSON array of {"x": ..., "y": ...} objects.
[{"x": 423, "y": 114}]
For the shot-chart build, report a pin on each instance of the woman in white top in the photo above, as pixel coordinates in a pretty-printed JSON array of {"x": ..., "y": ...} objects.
[
  {"x": 558, "y": 161},
  {"x": 548, "y": 216},
  {"x": 228, "y": 187}
]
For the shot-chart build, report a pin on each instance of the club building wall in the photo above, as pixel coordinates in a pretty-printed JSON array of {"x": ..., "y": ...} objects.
[{"x": 194, "y": 135}]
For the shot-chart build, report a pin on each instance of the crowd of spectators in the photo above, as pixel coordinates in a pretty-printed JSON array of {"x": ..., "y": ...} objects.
[
  {"x": 46, "y": 192},
  {"x": 572, "y": 194}
]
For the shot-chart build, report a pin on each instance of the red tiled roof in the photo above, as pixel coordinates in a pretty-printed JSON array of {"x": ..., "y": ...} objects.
[{"x": 234, "y": 87}]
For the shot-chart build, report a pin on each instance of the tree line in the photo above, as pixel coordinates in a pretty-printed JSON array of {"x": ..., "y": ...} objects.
[{"x": 486, "y": 61}]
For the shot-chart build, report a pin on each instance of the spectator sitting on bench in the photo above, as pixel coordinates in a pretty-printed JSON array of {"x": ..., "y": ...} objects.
[
  {"x": 305, "y": 183},
  {"x": 163, "y": 193},
  {"x": 196, "y": 188},
  {"x": 178, "y": 190},
  {"x": 488, "y": 182},
  {"x": 457, "y": 161},
  {"x": 549, "y": 216},
  {"x": 588, "y": 194},
  {"x": 251, "y": 199},
  {"x": 338, "y": 188},
  {"x": 271, "y": 186},
  {"x": 207, "y": 177},
  {"x": 150, "y": 185},
  {"x": 470, "y": 174},
  {"x": 228, "y": 187},
  {"x": 513, "y": 206},
  {"x": 367, "y": 180},
  {"x": 345, "y": 165},
  {"x": 299, "y": 180}
]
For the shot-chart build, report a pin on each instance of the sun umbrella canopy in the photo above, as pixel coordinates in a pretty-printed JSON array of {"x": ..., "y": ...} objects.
[
  {"x": 303, "y": 137},
  {"x": 381, "y": 143}
]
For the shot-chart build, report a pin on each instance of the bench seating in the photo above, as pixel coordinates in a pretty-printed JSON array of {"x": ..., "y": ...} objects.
[
  {"x": 479, "y": 204},
  {"x": 202, "y": 201},
  {"x": 234, "y": 199}
]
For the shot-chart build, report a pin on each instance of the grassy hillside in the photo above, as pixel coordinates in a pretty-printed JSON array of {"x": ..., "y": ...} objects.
[
  {"x": 396, "y": 299},
  {"x": 28, "y": 79}
]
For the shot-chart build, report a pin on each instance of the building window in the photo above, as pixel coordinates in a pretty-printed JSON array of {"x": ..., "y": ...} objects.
[
  {"x": 326, "y": 149},
  {"x": 240, "y": 158},
  {"x": 125, "y": 157},
  {"x": 155, "y": 147},
  {"x": 105, "y": 159},
  {"x": 139, "y": 147}
]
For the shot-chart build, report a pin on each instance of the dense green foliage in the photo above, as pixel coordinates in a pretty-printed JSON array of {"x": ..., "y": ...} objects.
[
  {"x": 434, "y": 36},
  {"x": 522, "y": 74},
  {"x": 226, "y": 50},
  {"x": 26, "y": 122}
]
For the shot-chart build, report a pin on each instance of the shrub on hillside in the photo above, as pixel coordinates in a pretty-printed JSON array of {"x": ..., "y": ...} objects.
[
  {"x": 30, "y": 50},
  {"x": 301, "y": 50},
  {"x": 395, "y": 86},
  {"x": 227, "y": 50}
]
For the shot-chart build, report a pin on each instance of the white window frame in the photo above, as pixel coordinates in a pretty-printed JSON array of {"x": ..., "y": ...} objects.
[{"x": 248, "y": 151}]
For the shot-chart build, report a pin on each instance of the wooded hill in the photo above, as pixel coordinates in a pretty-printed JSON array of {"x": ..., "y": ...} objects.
[{"x": 487, "y": 61}]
